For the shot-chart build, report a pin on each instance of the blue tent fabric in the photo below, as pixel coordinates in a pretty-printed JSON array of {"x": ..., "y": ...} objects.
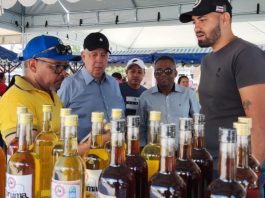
[{"x": 7, "y": 54}]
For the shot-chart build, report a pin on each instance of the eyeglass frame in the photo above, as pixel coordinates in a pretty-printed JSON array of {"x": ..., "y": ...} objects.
[
  {"x": 59, "y": 49},
  {"x": 164, "y": 71},
  {"x": 55, "y": 67}
]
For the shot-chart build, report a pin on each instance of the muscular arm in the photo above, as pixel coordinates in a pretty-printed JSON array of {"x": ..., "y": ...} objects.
[{"x": 253, "y": 101}]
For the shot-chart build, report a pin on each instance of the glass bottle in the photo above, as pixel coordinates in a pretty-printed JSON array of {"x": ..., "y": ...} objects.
[
  {"x": 245, "y": 175},
  {"x": 44, "y": 143},
  {"x": 117, "y": 180},
  {"x": 200, "y": 155},
  {"x": 2, "y": 172},
  {"x": 57, "y": 150},
  {"x": 22, "y": 174},
  {"x": 166, "y": 182},
  {"x": 151, "y": 151},
  {"x": 226, "y": 185},
  {"x": 185, "y": 167},
  {"x": 13, "y": 145},
  {"x": 68, "y": 178},
  {"x": 134, "y": 161},
  {"x": 96, "y": 158}
]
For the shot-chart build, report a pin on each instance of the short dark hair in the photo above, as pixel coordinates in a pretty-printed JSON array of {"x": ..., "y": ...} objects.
[
  {"x": 181, "y": 77},
  {"x": 166, "y": 57},
  {"x": 117, "y": 75}
]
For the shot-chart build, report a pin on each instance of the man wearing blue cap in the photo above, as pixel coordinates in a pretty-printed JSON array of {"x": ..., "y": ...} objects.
[{"x": 45, "y": 59}]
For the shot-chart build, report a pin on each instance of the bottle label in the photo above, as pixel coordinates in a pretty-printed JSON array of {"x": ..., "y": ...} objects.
[
  {"x": 66, "y": 189},
  {"x": 92, "y": 177},
  {"x": 18, "y": 186},
  {"x": 222, "y": 196},
  {"x": 100, "y": 195}
]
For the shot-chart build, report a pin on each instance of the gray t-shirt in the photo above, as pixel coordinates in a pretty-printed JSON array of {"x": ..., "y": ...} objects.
[{"x": 223, "y": 73}]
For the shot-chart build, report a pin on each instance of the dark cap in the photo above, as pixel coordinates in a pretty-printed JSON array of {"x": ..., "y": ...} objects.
[
  {"x": 203, "y": 7},
  {"x": 96, "y": 40}
]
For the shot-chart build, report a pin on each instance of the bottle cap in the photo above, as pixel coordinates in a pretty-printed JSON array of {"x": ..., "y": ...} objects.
[
  {"x": 118, "y": 126},
  {"x": 116, "y": 114},
  {"x": 185, "y": 124},
  {"x": 21, "y": 109},
  {"x": 155, "y": 116},
  {"x": 133, "y": 121},
  {"x": 47, "y": 108},
  {"x": 168, "y": 130},
  {"x": 242, "y": 129},
  {"x": 198, "y": 118},
  {"x": 97, "y": 117},
  {"x": 71, "y": 120},
  {"x": 227, "y": 135},
  {"x": 246, "y": 120},
  {"x": 65, "y": 112},
  {"x": 25, "y": 118}
]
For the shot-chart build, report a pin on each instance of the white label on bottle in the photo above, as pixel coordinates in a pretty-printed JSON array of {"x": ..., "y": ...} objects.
[
  {"x": 18, "y": 185},
  {"x": 66, "y": 189},
  {"x": 92, "y": 177},
  {"x": 100, "y": 195},
  {"x": 221, "y": 196}
]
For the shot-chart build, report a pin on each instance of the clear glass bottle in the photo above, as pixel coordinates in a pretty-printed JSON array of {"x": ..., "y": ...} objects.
[
  {"x": 2, "y": 172},
  {"x": 68, "y": 178},
  {"x": 245, "y": 175},
  {"x": 57, "y": 150},
  {"x": 44, "y": 143},
  {"x": 117, "y": 180},
  {"x": 185, "y": 166},
  {"x": 22, "y": 174},
  {"x": 200, "y": 155},
  {"x": 166, "y": 182},
  {"x": 226, "y": 185},
  {"x": 13, "y": 145},
  {"x": 134, "y": 161},
  {"x": 151, "y": 151},
  {"x": 96, "y": 158}
]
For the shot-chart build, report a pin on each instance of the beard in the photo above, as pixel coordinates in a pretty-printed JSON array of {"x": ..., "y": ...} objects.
[{"x": 212, "y": 38}]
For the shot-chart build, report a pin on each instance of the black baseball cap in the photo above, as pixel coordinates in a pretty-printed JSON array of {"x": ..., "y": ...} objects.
[
  {"x": 203, "y": 7},
  {"x": 96, "y": 40}
]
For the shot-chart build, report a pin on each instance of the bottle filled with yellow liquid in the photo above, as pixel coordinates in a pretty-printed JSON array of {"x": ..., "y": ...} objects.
[
  {"x": 96, "y": 158},
  {"x": 44, "y": 143},
  {"x": 22, "y": 175},
  {"x": 57, "y": 151},
  {"x": 68, "y": 179},
  {"x": 151, "y": 151}
]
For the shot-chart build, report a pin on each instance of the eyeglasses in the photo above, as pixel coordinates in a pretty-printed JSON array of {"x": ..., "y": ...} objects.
[
  {"x": 60, "y": 49},
  {"x": 57, "y": 68},
  {"x": 168, "y": 71}
]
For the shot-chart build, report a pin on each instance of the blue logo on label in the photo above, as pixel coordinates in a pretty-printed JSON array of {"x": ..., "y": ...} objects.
[{"x": 72, "y": 192}]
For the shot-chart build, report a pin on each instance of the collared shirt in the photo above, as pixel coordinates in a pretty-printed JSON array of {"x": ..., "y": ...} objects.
[
  {"x": 22, "y": 93},
  {"x": 84, "y": 95},
  {"x": 181, "y": 102}
]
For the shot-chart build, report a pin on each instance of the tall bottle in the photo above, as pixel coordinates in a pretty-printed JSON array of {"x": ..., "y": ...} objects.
[
  {"x": 22, "y": 174},
  {"x": 96, "y": 158},
  {"x": 166, "y": 183},
  {"x": 68, "y": 178},
  {"x": 199, "y": 153},
  {"x": 117, "y": 180},
  {"x": 13, "y": 145},
  {"x": 245, "y": 175},
  {"x": 226, "y": 185},
  {"x": 134, "y": 161},
  {"x": 2, "y": 172},
  {"x": 185, "y": 167},
  {"x": 151, "y": 151},
  {"x": 44, "y": 143},
  {"x": 57, "y": 150}
]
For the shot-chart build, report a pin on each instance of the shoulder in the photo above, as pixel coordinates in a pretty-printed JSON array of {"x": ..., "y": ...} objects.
[{"x": 147, "y": 93}]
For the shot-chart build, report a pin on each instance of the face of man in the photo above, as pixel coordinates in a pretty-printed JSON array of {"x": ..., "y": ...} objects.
[
  {"x": 184, "y": 82},
  {"x": 165, "y": 73},
  {"x": 135, "y": 75},
  {"x": 96, "y": 62},
  {"x": 207, "y": 29}
]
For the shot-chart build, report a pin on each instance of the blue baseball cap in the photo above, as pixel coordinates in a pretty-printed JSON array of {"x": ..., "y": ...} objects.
[{"x": 51, "y": 47}]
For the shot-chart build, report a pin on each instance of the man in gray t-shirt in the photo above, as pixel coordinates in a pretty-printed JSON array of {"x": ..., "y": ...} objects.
[{"x": 232, "y": 76}]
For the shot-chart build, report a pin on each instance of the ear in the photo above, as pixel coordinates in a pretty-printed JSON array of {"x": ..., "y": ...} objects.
[
  {"x": 226, "y": 18},
  {"x": 176, "y": 73},
  {"x": 83, "y": 55},
  {"x": 32, "y": 65}
]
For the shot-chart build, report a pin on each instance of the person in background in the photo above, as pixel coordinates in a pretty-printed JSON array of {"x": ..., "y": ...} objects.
[
  {"x": 172, "y": 100},
  {"x": 183, "y": 81},
  {"x": 117, "y": 76},
  {"x": 45, "y": 60},
  {"x": 3, "y": 85},
  {"x": 132, "y": 89},
  {"x": 232, "y": 80},
  {"x": 91, "y": 89}
]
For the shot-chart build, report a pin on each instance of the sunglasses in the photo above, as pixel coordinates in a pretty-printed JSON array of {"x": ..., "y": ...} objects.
[
  {"x": 57, "y": 68},
  {"x": 168, "y": 71},
  {"x": 60, "y": 49}
]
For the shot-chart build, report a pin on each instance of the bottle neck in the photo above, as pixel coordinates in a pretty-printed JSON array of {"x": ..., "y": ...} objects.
[
  {"x": 46, "y": 124},
  {"x": 117, "y": 149},
  {"x": 154, "y": 132},
  {"x": 242, "y": 151},
  {"x": 168, "y": 161},
  {"x": 227, "y": 161},
  {"x": 97, "y": 135},
  {"x": 70, "y": 141},
  {"x": 17, "y": 132},
  {"x": 198, "y": 139},
  {"x": 25, "y": 139},
  {"x": 62, "y": 128},
  {"x": 133, "y": 141},
  {"x": 185, "y": 145}
]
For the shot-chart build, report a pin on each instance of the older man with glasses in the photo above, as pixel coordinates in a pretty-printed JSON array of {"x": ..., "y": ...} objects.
[
  {"x": 172, "y": 100},
  {"x": 45, "y": 60}
]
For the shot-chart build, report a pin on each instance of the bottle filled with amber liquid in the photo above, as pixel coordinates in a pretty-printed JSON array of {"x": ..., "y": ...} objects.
[
  {"x": 57, "y": 150},
  {"x": 226, "y": 185},
  {"x": 200, "y": 155},
  {"x": 166, "y": 182},
  {"x": 22, "y": 174},
  {"x": 68, "y": 178},
  {"x": 96, "y": 158},
  {"x": 245, "y": 175},
  {"x": 44, "y": 143},
  {"x": 134, "y": 161},
  {"x": 151, "y": 151},
  {"x": 2, "y": 172},
  {"x": 117, "y": 180},
  {"x": 13, "y": 145}
]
